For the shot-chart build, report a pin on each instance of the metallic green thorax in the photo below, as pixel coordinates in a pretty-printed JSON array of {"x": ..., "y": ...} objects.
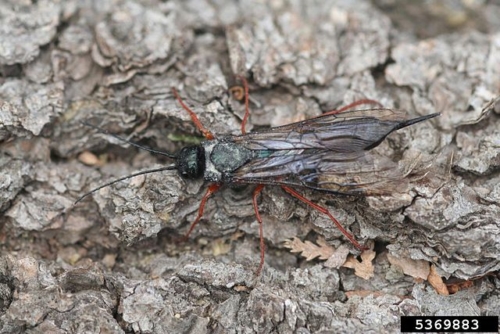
[{"x": 223, "y": 157}]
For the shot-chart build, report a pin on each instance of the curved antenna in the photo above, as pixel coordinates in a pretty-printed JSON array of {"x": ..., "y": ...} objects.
[
  {"x": 149, "y": 171},
  {"x": 172, "y": 156}
]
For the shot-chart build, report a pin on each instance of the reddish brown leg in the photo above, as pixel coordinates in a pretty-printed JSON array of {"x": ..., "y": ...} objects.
[
  {"x": 195, "y": 119},
  {"x": 247, "y": 108},
  {"x": 256, "y": 193},
  {"x": 326, "y": 212},
  {"x": 211, "y": 189},
  {"x": 352, "y": 105}
]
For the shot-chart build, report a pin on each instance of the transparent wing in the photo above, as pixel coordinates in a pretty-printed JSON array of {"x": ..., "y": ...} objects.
[{"x": 361, "y": 173}]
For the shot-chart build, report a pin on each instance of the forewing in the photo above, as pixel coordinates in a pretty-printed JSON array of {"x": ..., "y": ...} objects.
[{"x": 346, "y": 132}]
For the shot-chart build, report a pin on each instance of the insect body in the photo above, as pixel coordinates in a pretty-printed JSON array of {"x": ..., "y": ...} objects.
[
  {"x": 330, "y": 153},
  {"x": 215, "y": 160}
]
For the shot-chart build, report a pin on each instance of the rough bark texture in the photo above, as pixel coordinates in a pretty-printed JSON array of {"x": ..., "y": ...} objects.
[{"x": 113, "y": 263}]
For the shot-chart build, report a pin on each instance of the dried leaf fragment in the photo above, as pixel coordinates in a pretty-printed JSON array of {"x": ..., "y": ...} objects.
[
  {"x": 309, "y": 250},
  {"x": 437, "y": 282},
  {"x": 363, "y": 269},
  {"x": 220, "y": 247},
  {"x": 414, "y": 268},
  {"x": 90, "y": 159},
  {"x": 455, "y": 287}
]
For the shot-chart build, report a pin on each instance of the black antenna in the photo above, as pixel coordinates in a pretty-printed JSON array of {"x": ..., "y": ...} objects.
[
  {"x": 149, "y": 171},
  {"x": 172, "y": 156}
]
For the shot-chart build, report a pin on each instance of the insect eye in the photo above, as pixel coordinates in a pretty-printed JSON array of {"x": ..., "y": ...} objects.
[{"x": 191, "y": 163}]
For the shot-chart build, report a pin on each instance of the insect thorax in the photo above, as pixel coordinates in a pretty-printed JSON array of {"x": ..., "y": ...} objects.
[{"x": 223, "y": 157}]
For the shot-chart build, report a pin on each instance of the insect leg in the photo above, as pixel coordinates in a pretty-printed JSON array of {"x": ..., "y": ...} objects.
[
  {"x": 211, "y": 190},
  {"x": 326, "y": 212},
  {"x": 247, "y": 108},
  {"x": 256, "y": 193},
  {"x": 352, "y": 105},
  {"x": 206, "y": 133}
]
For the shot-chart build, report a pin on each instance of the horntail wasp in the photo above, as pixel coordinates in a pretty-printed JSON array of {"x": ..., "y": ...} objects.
[{"x": 331, "y": 153}]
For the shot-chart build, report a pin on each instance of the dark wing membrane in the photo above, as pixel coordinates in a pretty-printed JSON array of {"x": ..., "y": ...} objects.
[
  {"x": 329, "y": 153},
  {"x": 346, "y": 132}
]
